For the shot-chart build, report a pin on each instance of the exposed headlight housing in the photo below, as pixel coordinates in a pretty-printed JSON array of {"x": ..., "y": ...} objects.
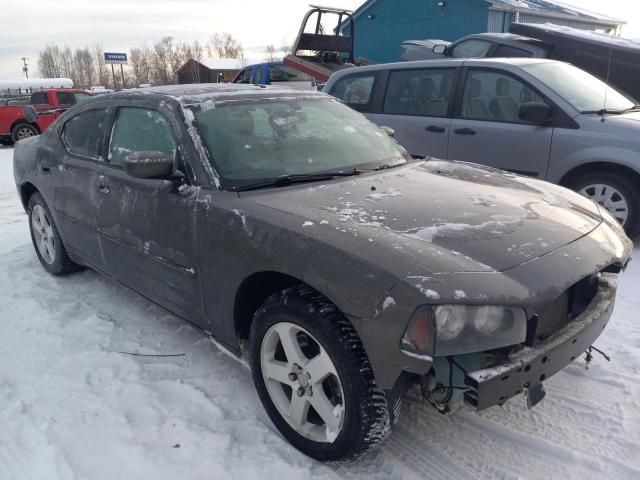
[{"x": 456, "y": 329}]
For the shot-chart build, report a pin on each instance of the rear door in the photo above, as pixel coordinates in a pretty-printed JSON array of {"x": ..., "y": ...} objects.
[
  {"x": 486, "y": 127},
  {"x": 147, "y": 227},
  {"x": 417, "y": 105},
  {"x": 76, "y": 194}
]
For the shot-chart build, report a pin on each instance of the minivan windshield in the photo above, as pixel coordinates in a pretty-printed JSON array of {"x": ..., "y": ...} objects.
[
  {"x": 582, "y": 90},
  {"x": 259, "y": 139}
]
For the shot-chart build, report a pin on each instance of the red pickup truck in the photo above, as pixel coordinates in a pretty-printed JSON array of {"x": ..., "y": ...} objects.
[{"x": 20, "y": 120}]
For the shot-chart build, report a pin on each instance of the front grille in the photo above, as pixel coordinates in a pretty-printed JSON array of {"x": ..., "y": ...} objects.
[{"x": 563, "y": 310}]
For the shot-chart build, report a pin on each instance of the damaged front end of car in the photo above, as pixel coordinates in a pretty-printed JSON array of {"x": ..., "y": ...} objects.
[{"x": 482, "y": 354}]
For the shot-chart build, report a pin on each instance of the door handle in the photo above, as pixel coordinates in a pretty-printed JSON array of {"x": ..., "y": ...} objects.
[
  {"x": 44, "y": 169},
  {"x": 464, "y": 131},
  {"x": 103, "y": 186},
  {"x": 435, "y": 129}
]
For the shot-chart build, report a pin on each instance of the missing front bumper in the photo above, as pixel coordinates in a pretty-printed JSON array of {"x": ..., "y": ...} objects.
[{"x": 528, "y": 368}]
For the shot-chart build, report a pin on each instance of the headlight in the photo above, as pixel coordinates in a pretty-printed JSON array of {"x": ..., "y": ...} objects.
[{"x": 457, "y": 329}]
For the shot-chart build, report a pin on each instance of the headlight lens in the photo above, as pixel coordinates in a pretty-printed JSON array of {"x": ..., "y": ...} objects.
[
  {"x": 457, "y": 329},
  {"x": 449, "y": 323}
]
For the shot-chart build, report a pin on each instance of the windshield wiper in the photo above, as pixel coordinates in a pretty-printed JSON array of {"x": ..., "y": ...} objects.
[
  {"x": 386, "y": 166},
  {"x": 635, "y": 108},
  {"x": 285, "y": 180},
  {"x": 604, "y": 111}
]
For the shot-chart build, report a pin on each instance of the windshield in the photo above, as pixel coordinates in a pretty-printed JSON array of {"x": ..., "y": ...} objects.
[
  {"x": 261, "y": 139},
  {"x": 582, "y": 90}
]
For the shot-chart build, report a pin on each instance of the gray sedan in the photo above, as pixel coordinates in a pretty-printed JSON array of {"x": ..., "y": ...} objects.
[
  {"x": 535, "y": 117},
  {"x": 298, "y": 235}
]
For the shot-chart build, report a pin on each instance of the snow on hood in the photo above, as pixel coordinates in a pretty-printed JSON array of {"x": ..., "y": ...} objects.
[{"x": 447, "y": 216}]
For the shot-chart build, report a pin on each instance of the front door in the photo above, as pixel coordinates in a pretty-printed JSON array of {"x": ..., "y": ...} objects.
[
  {"x": 416, "y": 106},
  {"x": 147, "y": 227},
  {"x": 487, "y": 128}
]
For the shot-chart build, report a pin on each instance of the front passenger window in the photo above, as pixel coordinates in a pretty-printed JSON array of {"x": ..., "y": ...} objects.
[
  {"x": 471, "y": 49},
  {"x": 138, "y": 130},
  {"x": 495, "y": 97}
]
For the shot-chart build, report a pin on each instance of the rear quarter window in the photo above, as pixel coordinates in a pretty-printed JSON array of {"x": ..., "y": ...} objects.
[{"x": 356, "y": 90}]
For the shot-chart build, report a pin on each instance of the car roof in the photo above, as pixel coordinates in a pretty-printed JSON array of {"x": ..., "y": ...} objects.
[
  {"x": 446, "y": 62},
  {"x": 205, "y": 92}
]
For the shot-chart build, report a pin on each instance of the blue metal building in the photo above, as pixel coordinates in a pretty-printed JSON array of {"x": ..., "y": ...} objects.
[{"x": 382, "y": 25}]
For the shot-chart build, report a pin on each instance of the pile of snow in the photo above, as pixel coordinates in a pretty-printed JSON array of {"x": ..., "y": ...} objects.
[{"x": 72, "y": 406}]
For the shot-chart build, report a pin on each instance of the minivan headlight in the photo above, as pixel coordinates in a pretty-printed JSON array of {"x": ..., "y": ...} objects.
[{"x": 456, "y": 329}]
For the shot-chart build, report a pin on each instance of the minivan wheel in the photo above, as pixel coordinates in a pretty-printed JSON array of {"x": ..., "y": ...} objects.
[
  {"x": 46, "y": 239},
  {"x": 314, "y": 378},
  {"x": 614, "y": 192},
  {"x": 22, "y": 131}
]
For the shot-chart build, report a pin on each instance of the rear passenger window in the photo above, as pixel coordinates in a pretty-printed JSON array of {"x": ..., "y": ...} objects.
[
  {"x": 39, "y": 98},
  {"x": 419, "y": 92},
  {"x": 505, "y": 51},
  {"x": 84, "y": 134},
  {"x": 355, "y": 90},
  {"x": 139, "y": 130}
]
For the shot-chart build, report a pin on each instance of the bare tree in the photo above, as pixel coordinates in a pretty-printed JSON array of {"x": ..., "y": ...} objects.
[
  {"x": 102, "y": 73},
  {"x": 140, "y": 60},
  {"x": 285, "y": 47},
  {"x": 225, "y": 45},
  {"x": 50, "y": 62},
  {"x": 270, "y": 53}
]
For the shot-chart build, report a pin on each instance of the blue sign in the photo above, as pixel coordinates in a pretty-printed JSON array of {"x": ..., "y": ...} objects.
[{"x": 115, "y": 57}]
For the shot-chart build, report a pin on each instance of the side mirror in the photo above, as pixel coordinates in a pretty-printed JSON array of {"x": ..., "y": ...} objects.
[
  {"x": 439, "y": 49},
  {"x": 149, "y": 164},
  {"x": 535, "y": 112},
  {"x": 389, "y": 131}
]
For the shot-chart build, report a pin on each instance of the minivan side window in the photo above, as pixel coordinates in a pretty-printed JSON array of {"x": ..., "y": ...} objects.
[
  {"x": 496, "y": 97},
  {"x": 83, "y": 134},
  {"x": 137, "y": 130},
  {"x": 419, "y": 92},
  {"x": 257, "y": 76},
  {"x": 355, "y": 90},
  {"x": 473, "y": 48}
]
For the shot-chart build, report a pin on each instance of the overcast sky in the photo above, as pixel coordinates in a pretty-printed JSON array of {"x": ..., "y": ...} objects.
[{"x": 26, "y": 26}]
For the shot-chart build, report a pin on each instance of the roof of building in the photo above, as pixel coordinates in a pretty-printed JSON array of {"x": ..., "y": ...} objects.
[
  {"x": 539, "y": 7},
  {"x": 222, "y": 63}
]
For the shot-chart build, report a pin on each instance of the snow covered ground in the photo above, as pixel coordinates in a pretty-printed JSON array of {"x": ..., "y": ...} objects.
[{"x": 73, "y": 407}]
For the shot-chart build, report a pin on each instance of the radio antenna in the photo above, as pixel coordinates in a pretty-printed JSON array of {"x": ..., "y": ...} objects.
[{"x": 606, "y": 91}]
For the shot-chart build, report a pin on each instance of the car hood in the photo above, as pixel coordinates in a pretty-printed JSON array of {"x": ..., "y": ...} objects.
[{"x": 438, "y": 216}]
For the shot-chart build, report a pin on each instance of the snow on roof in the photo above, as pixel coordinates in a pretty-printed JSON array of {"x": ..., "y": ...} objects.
[
  {"x": 537, "y": 6},
  {"x": 228, "y": 63},
  {"x": 553, "y": 6}
]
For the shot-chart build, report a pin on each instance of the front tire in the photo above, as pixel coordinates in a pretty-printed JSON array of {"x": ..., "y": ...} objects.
[
  {"x": 22, "y": 131},
  {"x": 314, "y": 378},
  {"x": 46, "y": 239},
  {"x": 618, "y": 194}
]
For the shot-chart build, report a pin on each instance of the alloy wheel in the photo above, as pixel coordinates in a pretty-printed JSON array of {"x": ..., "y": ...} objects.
[
  {"x": 43, "y": 234},
  {"x": 25, "y": 133},
  {"x": 302, "y": 382}
]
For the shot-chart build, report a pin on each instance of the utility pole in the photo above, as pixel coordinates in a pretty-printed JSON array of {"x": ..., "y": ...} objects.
[{"x": 25, "y": 69}]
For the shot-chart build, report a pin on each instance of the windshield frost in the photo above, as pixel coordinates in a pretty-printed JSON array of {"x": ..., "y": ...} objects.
[
  {"x": 268, "y": 138},
  {"x": 582, "y": 90}
]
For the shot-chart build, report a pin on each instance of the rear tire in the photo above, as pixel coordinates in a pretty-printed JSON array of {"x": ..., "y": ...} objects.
[
  {"x": 618, "y": 194},
  {"x": 46, "y": 239},
  {"x": 313, "y": 329},
  {"x": 22, "y": 131}
]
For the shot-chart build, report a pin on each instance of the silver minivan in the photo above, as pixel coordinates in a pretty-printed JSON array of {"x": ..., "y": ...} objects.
[{"x": 535, "y": 117}]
